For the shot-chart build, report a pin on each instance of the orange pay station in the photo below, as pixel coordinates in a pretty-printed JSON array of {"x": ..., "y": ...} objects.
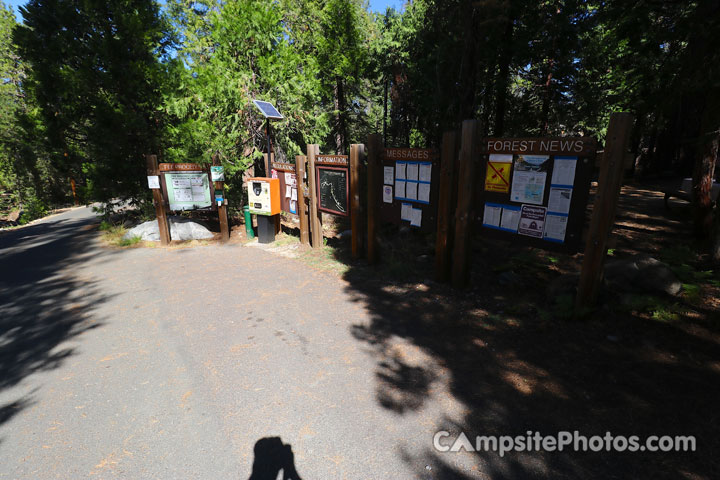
[{"x": 264, "y": 201}]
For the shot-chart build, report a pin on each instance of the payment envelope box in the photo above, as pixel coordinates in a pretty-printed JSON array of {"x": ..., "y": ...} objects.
[{"x": 264, "y": 195}]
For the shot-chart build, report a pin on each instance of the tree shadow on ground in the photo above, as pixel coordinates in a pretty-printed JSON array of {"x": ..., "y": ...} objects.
[
  {"x": 43, "y": 302},
  {"x": 516, "y": 366}
]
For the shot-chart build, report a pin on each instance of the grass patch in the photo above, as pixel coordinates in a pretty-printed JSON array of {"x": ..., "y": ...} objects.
[{"x": 113, "y": 235}]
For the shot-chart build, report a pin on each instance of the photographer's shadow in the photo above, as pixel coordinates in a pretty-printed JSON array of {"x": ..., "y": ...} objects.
[{"x": 271, "y": 456}]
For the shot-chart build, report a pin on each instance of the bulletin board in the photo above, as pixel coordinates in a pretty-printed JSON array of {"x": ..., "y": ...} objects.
[
  {"x": 187, "y": 186},
  {"x": 332, "y": 180},
  {"x": 534, "y": 191},
  {"x": 411, "y": 179},
  {"x": 285, "y": 172}
]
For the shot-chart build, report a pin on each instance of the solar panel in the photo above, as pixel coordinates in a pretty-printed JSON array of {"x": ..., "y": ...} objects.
[{"x": 268, "y": 110}]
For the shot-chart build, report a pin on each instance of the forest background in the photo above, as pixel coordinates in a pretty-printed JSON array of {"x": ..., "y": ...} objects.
[{"x": 87, "y": 88}]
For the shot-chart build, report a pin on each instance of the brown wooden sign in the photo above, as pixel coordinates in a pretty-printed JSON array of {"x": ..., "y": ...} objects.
[
  {"x": 418, "y": 154},
  {"x": 534, "y": 191},
  {"x": 582, "y": 146},
  {"x": 333, "y": 160},
  {"x": 410, "y": 186},
  {"x": 181, "y": 167},
  {"x": 285, "y": 172},
  {"x": 333, "y": 189}
]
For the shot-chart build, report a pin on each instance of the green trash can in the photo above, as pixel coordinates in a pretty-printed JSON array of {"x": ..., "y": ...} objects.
[{"x": 248, "y": 222}]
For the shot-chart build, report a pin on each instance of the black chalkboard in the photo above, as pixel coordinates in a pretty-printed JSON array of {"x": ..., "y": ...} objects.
[{"x": 333, "y": 190}]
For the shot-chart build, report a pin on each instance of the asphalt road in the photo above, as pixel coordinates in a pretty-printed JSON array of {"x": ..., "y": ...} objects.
[{"x": 195, "y": 363}]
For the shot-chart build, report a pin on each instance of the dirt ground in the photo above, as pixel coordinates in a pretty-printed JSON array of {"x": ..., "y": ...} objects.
[{"x": 639, "y": 365}]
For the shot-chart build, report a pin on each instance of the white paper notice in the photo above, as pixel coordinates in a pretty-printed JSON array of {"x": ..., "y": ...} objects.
[
  {"x": 411, "y": 189},
  {"x": 510, "y": 219},
  {"x": 424, "y": 192},
  {"x": 491, "y": 217},
  {"x": 528, "y": 183},
  {"x": 416, "y": 217},
  {"x": 564, "y": 171},
  {"x": 288, "y": 191},
  {"x": 399, "y": 188},
  {"x": 400, "y": 170},
  {"x": 559, "y": 201},
  {"x": 181, "y": 183},
  {"x": 405, "y": 211},
  {"x": 555, "y": 227},
  {"x": 425, "y": 174},
  {"x": 153, "y": 181},
  {"x": 198, "y": 193},
  {"x": 412, "y": 171},
  {"x": 293, "y": 195},
  {"x": 387, "y": 194},
  {"x": 183, "y": 195},
  {"x": 388, "y": 178},
  {"x": 288, "y": 178}
]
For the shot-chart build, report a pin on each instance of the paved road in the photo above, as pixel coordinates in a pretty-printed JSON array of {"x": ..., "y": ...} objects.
[{"x": 190, "y": 363}]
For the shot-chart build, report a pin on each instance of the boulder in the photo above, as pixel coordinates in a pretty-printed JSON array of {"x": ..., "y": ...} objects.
[
  {"x": 180, "y": 229},
  {"x": 641, "y": 274}
]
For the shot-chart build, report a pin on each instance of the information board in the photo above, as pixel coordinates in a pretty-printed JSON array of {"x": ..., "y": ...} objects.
[
  {"x": 188, "y": 190},
  {"x": 535, "y": 190},
  {"x": 410, "y": 187},
  {"x": 285, "y": 172},
  {"x": 333, "y": 189}
]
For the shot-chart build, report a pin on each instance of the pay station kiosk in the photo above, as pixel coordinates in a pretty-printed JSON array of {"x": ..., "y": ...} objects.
[{"x": 264, "y": 201}]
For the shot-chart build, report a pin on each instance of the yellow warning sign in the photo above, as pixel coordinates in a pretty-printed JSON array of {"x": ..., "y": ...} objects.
[{"x": 497, "y": 177}]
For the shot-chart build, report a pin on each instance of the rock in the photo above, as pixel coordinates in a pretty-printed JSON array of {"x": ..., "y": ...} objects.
[
  {"x": 508, "y": 278},
  {"x": 641, "y": 274},
  {"x": 180, "y": 229}
]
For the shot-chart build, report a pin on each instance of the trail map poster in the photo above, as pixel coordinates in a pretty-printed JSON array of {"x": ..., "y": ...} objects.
[
  {"x": 188, "y": 190},
  {"x": 333, "y": 190}
]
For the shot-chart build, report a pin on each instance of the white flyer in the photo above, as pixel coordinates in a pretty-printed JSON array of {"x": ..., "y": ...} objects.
[
  {"x": 416, "y": 217},
  {"x": 425, "y": 174},
  {"x": 400, "y": 170},
  {"x": 388, "y": 175},
  {"x": 412, "y": 171},
  {"x": 293, "y": 195},
  {"x": 411, "y": 189},
  {"x": 555, "y": 227},
  {"x": 510, "y": 219},
  {"x": 560, "y": 198},
  {"x": 424, "y": 192},
  {"x": 153, "y": 181},
  {"x": 399, "y": 188},
  {"x": 405, "y": 211},
  {"x": 491, "y": 216},
  {"x": 387, "y": 193},
  {"x": 528, "y": 183},
  {"x": 564, "y": 171}
]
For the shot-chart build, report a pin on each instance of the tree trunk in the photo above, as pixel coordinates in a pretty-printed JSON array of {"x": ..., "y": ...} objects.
[
  {"x": 340, "y": 127},
  {"x": 702, "y": 187},
  {"x": 715, "y": 248},
  {"x": 501, "y": 86}
]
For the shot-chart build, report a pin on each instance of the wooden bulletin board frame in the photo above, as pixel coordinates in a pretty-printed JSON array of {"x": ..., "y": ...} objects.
[
  {"x": 169, "y": 168},
  {"x": 333, "y": 163},
  {"x": 581, "y": 148},
  {"x": 390, "y": 213},
  {"x": 282, "y": 169}
]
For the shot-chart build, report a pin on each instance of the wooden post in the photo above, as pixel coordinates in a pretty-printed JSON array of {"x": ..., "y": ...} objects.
[
  {"x": 301, "y": 204},
  {"x": 375, "y": 145},
  {"x": 152, "y": 169},
  {"x": 603, "y": 214},
  {"x": 315, "y": 215},
  {"x": 468, "y": 160},
  {"x": 222, "y": 209},
  {"x": 444, "y": 215},
  {"x": 74, "y": 192},
  {"x": 356, "y": 151}
]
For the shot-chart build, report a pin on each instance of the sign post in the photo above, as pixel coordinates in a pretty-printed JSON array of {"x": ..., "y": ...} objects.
[
  {"x": 315, "y": 214},
  {"x": 218, "y": 175},
  {"x": 356, "y": 151},
  {"x": 158, "y": 201}
]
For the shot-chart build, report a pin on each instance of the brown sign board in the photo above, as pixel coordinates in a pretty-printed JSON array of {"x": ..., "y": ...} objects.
[
  {"x": 285, "y": 172},
  {"x": 410, "y": 187},
  {"x": 181, "y": 167},
  {"x": 333, "y": 160},
  {"x": 534, "y": 191}
]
